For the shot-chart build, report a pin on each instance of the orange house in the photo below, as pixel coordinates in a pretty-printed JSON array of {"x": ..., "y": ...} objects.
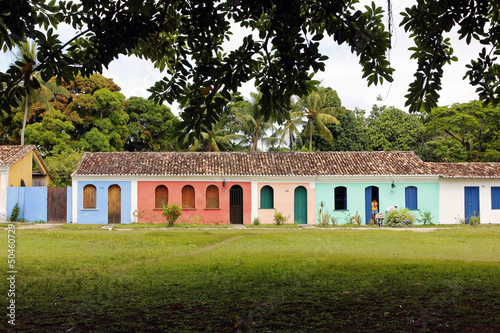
[{"x": 203, "y": 201}]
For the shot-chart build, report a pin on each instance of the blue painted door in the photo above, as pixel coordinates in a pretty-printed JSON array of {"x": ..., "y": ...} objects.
[
  {"x": 368, "y": 204},
  {"x": 471, "y": 194},
  {"x": 300, "y": 205}
]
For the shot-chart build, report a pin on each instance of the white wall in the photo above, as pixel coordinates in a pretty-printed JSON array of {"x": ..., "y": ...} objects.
[
  {"x": 452, "y": 201},
  {"x": 4, "y": 183}
]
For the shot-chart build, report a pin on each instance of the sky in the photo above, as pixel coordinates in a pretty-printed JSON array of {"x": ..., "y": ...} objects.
[{"x": 342, "y": 71}]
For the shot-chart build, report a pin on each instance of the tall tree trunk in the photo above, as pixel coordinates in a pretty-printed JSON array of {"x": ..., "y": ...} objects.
[
  {"x": 24, "y": 120},
  {"x": 310, "y": 134},
  {"x": 255, "y": 138}
]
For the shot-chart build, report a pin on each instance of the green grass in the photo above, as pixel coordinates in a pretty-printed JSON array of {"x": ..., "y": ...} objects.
[{"x": 285, "y": 280}]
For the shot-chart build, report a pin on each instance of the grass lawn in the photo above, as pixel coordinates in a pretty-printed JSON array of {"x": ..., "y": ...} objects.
[{"x": 276, "y": 280}]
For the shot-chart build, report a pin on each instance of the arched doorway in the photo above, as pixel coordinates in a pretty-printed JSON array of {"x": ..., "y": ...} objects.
[
  {"x": 371, "y": 193},
  {"x": 114, "y": 204},
  {"x": 300, "y": 205},
  {"x": 236, "y": 204}
]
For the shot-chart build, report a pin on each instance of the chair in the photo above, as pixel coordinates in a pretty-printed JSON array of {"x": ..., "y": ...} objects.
[{"x": 379, "y": 217}]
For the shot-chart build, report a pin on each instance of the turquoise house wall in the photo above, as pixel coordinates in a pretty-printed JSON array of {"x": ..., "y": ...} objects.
[
  {"x": 427, "y": 198},
  {"x": 100, "y": 214}
]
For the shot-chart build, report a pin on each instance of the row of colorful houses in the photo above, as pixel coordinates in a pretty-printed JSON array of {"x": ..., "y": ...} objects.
[{"x": 239, "y": 187}]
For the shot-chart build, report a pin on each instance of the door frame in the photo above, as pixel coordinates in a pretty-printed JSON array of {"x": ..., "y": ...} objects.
[
  {"x": 299, "y": 205},
  {"x": 471, "y": 202},
  {"x": 371, "y": 192},
  {"x": 235, "y": 209}
]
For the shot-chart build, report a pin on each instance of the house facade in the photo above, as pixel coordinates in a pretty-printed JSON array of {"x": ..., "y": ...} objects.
[
  {"x": 239, "y": 187},
  {"x": 468, "y": 190}
]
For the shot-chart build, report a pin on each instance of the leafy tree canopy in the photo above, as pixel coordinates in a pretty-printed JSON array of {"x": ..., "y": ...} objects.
[
  {"x": 185, "y": 38},
  {"x": 389, "y": 128},
  {"x": 472, "y": 126}
]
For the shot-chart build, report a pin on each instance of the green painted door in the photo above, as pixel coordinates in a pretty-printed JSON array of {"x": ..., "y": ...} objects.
[{"x": 300, "y": 205}]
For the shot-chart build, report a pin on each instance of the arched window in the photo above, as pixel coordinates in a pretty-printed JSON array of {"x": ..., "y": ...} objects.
[
  {"x": 212, "y": 199},
  {"x": 411, "y": 197},
  {"x": 188, "y": 197},
  {"x": 161, "y": 196},
  {"x": 340, "y": 198},
  {"x": 266, "y": 197},
  {"x": 89, "y": 197}
]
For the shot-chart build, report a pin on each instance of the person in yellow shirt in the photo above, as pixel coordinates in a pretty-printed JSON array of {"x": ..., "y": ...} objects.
[{"x": 374, "y": 208}]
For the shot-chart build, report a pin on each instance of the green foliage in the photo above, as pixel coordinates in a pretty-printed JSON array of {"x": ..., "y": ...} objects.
[
  {"x": 282, "y": 59},
  {"x": 172, "y": 212},
  {"x": 389, "y": 128},
  {"x": 256, "y": 221},
  {"x": 279, "y": 218},
  {"x": 474, "y": 220},
  {"x": 348, "y": 135},
  {"x": 148, "y": 126},
  {"x": 400, "y": 217},
  {"x": 471, "y": 127},
  {"x": 15, "y": 213},
  {"x": 428, "y": 22},
  {"x": 62, "y": 161}
]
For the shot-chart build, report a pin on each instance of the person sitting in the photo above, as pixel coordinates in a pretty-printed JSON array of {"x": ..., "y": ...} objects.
[{"x": 391, "y": 208}]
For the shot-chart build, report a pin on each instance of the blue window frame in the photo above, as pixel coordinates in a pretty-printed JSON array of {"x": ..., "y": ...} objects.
[
  {"x": 495, "y": 197},
  {"x": 340, "y": 198},
  {"x": 411, "y": 198},
  {"x": 267, "y": 197}
]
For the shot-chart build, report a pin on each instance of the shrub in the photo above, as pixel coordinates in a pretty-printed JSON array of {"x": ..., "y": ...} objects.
[
  {"x": 256, "y": 221},
  {"x": 426, "y": 217},
  {"x": 324, "y": 216},
  {"x": 474, "y": 220},
  {"x": 279, "y": 218},
  {"x": 400, "y": 218},
  {"x": 15, "y": 213},
  {"x": 172, "y": 213},
  {"x": 356, "y": 219}
]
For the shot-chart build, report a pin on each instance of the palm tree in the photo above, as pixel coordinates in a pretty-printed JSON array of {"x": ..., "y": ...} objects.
[
  {"x": 216, "y": 139},
  {"x": 251, "y": 122},
  {"x": 45, "y": 93},
  {"x": 293, "y": 125},
  {"x": 312, "y": 107}
]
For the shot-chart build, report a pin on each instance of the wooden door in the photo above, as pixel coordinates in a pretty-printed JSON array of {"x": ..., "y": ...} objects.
[
  {"x": 114, "y": 204},
  {"x": 57, "y": 204},
  {"x": 236, "y": 205},
  {"x": 300, "y": 205}
]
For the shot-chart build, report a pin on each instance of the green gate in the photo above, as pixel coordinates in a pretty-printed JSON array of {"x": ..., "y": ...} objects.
[{"x": 300, "y": 205}]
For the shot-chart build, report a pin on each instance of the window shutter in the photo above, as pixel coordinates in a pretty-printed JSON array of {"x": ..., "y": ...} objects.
[
  {"x": 89, "y": 197},
  {"x": 161, "y": 196},
  {"x": 495, "y": 197},
  {"x": 188, "y": 197},
  {"x": 267, "y": 197},
  {"x": 411, "y": 197},
  {"x": 212, "y": 198}
]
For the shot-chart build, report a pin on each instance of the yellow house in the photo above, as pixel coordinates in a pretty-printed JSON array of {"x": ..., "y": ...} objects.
[{"x": 17, "y": 169}]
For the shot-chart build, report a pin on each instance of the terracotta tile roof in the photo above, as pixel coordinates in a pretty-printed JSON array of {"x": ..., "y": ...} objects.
[
  {"x": 11, "y": 154},
  {"x": 466, "y": 170},
  {"x": 252, "y": 164}
]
